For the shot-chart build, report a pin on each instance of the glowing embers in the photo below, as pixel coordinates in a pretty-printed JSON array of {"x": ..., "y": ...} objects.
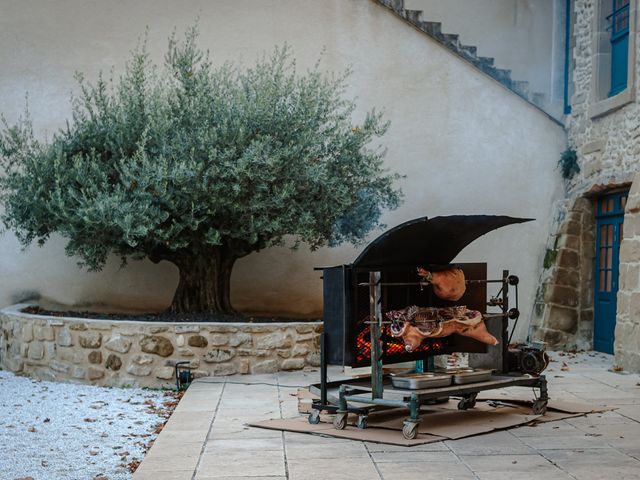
[{"x": 392, "y": 346}]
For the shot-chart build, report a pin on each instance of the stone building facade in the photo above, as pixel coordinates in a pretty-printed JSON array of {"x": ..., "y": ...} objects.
[{"x": 603, "y": 128}]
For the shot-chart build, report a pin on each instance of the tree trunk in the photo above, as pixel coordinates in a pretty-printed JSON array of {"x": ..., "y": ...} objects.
[{"x": 204, "y": 285}]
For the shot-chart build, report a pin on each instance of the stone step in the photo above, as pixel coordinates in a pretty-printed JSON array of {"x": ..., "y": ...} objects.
[{"x": 469, "y": 53}]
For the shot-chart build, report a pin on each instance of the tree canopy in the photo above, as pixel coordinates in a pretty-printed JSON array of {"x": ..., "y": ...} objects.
[{"x": 199, "y": 165}]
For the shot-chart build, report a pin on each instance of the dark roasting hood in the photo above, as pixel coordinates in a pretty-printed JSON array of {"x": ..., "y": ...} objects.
[{"x": 429, "y": 241}]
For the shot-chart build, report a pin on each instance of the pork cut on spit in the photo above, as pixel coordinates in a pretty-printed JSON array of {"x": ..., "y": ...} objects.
[
  {"x": 447, "y": 284},
  {"x": 414, "y": 324}
]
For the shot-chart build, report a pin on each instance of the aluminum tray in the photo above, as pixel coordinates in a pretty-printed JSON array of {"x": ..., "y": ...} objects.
[
  {"x": 470, "y": 375},
  {"x": 416, "y": 381}
]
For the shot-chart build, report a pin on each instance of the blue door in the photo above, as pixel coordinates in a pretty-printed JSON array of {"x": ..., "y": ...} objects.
[{"x": 609, "y": 230}]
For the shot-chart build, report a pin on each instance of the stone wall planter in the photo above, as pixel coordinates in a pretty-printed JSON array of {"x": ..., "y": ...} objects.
[{"x": 119, "y": 353}]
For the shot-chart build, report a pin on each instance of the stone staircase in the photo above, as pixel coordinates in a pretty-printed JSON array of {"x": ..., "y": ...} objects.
[{"x": 452, "y": 42}]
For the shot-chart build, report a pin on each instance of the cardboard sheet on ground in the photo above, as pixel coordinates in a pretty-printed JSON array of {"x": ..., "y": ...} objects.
[{"x": 439, "y": 422}]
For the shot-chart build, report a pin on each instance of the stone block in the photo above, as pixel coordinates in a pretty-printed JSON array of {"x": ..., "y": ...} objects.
[
  {"x": 240, "y": 338},
  {"x": 568, "y": 259},
  {"x": 158, "y": 329},
  {"x": 100, "y": 325},
  {"x": 36, "y": 351},
  {"x": 24, "y": 349},
  {"x": 185, "y": 352},
  {"x": 43, "y": 332},
  {"x": 94, "y": 373},
  {"x": 567, "y": 277},
  {"x": 563, "y": 319},
  {"x": 305, "y": 328},
  {"x": 180, "y": 340},
  {"x": 156, "y": 345},
  {"x": 224, "y": 369},
  {"x": 197, "y": 341},
  {"x": 90, "y": 340},
  {"x": 630, "y": 251},
  {"x": 586, "y": 316},
  {"x": 142, "y": 359},
  {"x": 113, "y": 362},
  {"x": 59, "y": 367},
  {"x": 14, "y": 364},
  {"x": 569, "y": 241},
  {"x": 219, "y": 355},
  {"x": 293, "y": 364},
  {"x": 313, "y": 359},
  {"x": 276, "y": 339},
  {"x": 554, "y": 338},
  {"x": 200, "y": 373},
  {"x": 27, "y": 332},
  {"x": 218, "y": 328},
  {"x": 78, "y": 326},
  {"x": 50, "y": 349},
  {"x": 78, "y": 373},
  {"x": 139, "y": 370},
  {"x": 299, "y": 350},
  {"x": 283, "y": 353},
  {"x": 164, "y": 373},
  {"x": 64, "y": 337},
  {"x": 306, "y": 337},
  {"x": 67, "y": 354},
  {"x": 562, "y": 295},
  {"x": 219, "y": 339},
  {"x": 266, "y": 366},
  {"x": 243, "y": 366},
  {"x": 95, "y": 357},
  {"x": 118, "y": 344},
  {"x": 186, "y": 328},
  {"x": 571, "y": 227}
]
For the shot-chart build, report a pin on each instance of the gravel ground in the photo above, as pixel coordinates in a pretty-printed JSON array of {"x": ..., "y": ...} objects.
[{"x": 62, "y": 431}]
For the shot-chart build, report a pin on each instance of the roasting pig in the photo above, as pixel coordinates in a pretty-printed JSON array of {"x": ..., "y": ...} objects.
[
  {"x": 447, "y": 284},
  {"x": 414, "y": 324}
]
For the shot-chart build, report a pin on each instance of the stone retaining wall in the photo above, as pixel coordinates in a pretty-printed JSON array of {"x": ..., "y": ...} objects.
[{"x": 118, "y": 353}]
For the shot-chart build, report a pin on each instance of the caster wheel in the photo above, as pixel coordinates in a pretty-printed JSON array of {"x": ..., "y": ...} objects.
[
  {"x": 539, "y": 407},
  {"x": 410, "y": 430},
  {"x": 467, "y": 402},
  {"x": 362, "y": 422},
  {"x": 340, "y": 421},
  {"x": 314, "y": 417}
]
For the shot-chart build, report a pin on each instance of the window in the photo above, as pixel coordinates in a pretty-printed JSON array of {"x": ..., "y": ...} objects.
[
  {"x": 619, "y": 28},
  {"x": 614, "y": 55}
]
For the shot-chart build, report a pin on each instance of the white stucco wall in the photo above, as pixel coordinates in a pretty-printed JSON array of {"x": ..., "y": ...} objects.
[
  {"x": 465, "y": 143},
  {"x": 525, "y": 36}
]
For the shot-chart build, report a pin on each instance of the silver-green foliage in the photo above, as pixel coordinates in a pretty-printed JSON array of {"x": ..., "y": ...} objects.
[{"x": 178, "y": 161}]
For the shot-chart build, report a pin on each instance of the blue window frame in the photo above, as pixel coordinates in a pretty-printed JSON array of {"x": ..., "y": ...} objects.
[
  {"x": 619, "y": 27},
  {"x": 567, "y": 56}
]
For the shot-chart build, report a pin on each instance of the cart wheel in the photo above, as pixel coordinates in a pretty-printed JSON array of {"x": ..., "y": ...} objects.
[
  {"x": 467, "y": 402},
  {"x": 539, "y": 407},
  {"x": 410, "y": 430},
  {"x": 362, "y": 422},
  {"x": 340, "y": 420},
  {"x": 314, "y": 417}
]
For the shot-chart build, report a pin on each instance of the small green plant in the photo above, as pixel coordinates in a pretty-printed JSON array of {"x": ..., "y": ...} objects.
[
  {"x": 568, "y": 163},
  {"x": 550, "y": 257}
]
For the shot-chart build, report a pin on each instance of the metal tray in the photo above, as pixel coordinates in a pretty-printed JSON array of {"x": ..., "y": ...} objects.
[
  {"x": 470, "y": 375},
  {"x": 416, "y": 381}
]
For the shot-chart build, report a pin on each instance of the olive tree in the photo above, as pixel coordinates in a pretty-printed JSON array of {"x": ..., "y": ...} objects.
[{"x": 199, "y": 165}]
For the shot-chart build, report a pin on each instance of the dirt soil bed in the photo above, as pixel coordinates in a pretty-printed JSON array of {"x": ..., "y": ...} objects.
[{"x": 165, "y": 316}]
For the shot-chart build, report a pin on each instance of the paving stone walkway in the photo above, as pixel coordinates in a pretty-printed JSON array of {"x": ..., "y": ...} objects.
[{"x": 206, "y": 438}]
